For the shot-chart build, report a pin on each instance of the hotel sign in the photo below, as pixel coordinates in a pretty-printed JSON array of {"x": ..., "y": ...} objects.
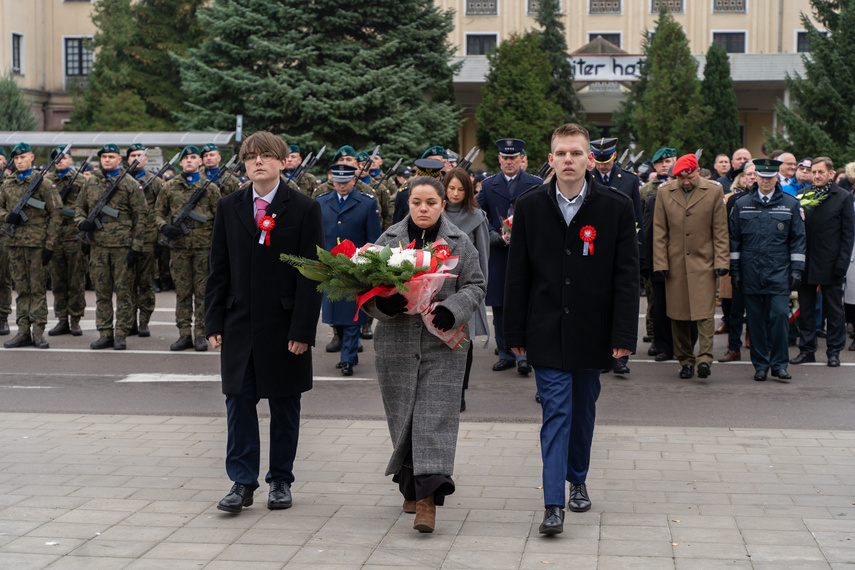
[{"x": 606, "y": 67}]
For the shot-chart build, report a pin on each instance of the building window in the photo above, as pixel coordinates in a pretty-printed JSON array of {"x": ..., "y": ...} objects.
[
  {"x": 732, "y": 42},
  {"x": 673, "y": 6},
  {"x": 728, "y": 6},
  {"x": 17, "y": 53},
  {"x": 78, "y": 59},
  {"x": 604, "y": 7},
  {"x": 482, "y": 7},
  {"x": 611, "y": 38},
  {"x": 480, "y": 44},
  {"x": 803, "y": 41}
]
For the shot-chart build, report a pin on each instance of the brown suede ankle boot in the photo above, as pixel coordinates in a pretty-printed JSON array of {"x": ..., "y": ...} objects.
[
  {"x": 409, "y": 506},
  {"x": 425, "y": 514}
]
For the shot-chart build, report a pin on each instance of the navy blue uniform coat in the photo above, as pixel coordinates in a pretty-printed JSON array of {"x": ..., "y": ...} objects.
[{"x": 627, "y": 182}]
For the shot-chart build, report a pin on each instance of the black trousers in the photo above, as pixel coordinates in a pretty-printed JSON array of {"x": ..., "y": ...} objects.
[{"x": 832, "y": 309}]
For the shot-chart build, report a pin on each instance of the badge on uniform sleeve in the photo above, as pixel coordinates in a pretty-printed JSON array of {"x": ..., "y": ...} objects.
[
  {"x": 266, "y": 224},
  {"x": 588, "y": 233}
]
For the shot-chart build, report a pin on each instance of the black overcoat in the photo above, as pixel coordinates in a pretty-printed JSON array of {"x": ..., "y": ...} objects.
[
  {"x": 830, "y": 232},
  {"x": 567, "y": 309},
  {"x": 257, "y": 302}
]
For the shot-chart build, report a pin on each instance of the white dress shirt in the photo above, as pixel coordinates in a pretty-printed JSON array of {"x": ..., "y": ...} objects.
[{"x": 568, "y": 207}]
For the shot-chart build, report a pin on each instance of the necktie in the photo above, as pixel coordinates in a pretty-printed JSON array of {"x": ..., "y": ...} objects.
[
  {"x": 765, "y": 200},
  {"x": 606, "y": 179},
  {"x": 260, "y": 209}
]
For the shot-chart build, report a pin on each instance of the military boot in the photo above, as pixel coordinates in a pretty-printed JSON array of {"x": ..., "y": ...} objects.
[
  {"x": 106, "y": 341},
  {"x": 61, "y": 328},
  {"x": 74, "y": 328},
  {"x": 143, "y": 330},
  {"x": 119, "y": 343},
  {"x": 201, "y": 345},
  {"x": 134, "y": 330},
  {"x": 39, "y": 341},
  {"x": 4, "y": 327},
  {"x": 184, "y": 342},
  {"x": 19, "y": 340}
]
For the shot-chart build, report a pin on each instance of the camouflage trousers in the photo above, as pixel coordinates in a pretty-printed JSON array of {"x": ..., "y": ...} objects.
[
  {"x": 110, "y": 274},
  {"x": 648, "y": 319},
  {"x": 143, "y": 287},
  {"x": 68, "y": 280},
  {"x": 163, "y": 264},
  {"x": 30, "y": 279},
  {"x": 5, "y": 281},
  {"x": 189, "y": 269}
]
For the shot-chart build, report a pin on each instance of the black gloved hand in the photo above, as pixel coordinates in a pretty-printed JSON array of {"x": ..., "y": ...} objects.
[
  {"x": 13, "y": 218},
  {"x": 443, "y": 318},
  {"x": 170, "y": 231},
  {"x": 132, "y": 258},
  {"x": 795, "y": 280},
  {"x": 87, "y": 226},
  {"x": 736, "y": 281},
  {"x": 85, "y": 248},
  {"x": 46, "y": 255},
  {"x": 158, "y": 250},
  {"x": 496, "y": 239},
  {"x": 721, "y": 272},
  {"x": 660, "y": 276},
  {"x": 393, "y": 305}
]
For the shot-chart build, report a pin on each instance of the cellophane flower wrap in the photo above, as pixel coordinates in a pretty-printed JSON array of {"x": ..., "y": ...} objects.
[{"x": 348, "y": 272}]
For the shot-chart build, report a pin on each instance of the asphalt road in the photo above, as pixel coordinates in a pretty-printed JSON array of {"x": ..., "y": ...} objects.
[{"x": 148, "y": 379}]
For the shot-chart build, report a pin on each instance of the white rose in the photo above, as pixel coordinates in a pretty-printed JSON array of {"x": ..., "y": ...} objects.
[{"x": 400, "y": 256}]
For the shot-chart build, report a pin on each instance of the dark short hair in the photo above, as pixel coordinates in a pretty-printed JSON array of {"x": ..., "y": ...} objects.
[
  {"x": 825, "y": 160},
  {"x": 428, "y": 181},
  {"x": 571, "y": 129},
  {"x": 263, "y": 141},
  {"x": 470, "y": 204}
]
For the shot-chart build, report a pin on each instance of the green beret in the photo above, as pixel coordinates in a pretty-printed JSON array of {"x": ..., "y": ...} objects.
[
  {"x": 21, "y": 148},
  {"x": 58, "y": 150},
  {"x": 380, "y": 154},
  {"x": 362, "y": 156},
  {"x": 663, "y": 153},
  {"x": 293, "y": 148},
  {"x": 110, "y": 147},
  {"x": 133, "y": 148},
  {"x": 435, "y": 151},
  {"x": 190, "y": 149},
  {"x": 3, "y": 152},
  {"x": 346, "y": 150},
  {"x": 210, "y": 147}
]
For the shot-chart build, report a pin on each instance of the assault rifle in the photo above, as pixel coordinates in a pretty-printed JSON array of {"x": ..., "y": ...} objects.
[
  {"x": 63, "y": 194},
  {"x": 301, "y": 167},
  {"x": 369, "y": 162},
  {"x": 27, "y": 198},
  {"x": 469, "y": 158},
  {"x": 385, "y": 176},
  {"x": 633, "y": 160},
  {"x": 543, "y": 170},
  {"x": 310, "y": 165},
  {"x": 101, "y": 206},
  {"x": 622, "y": 159},
  {"x": 160, "y": 172}
]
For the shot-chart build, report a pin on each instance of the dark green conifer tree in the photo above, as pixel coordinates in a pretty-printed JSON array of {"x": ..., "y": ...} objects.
[
  {"x": 718, "y": 93},
  {"x": 15, "y": 113},
  {"x": 554, "y": 43}
]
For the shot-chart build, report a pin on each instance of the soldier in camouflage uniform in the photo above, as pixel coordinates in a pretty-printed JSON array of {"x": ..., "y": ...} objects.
[
  {"x": 211, "y": 170},
  {"x": 190, "y": 252},
  {"x": 308, "y": 182},
  {"x": 5, "y": 279},
  {"x": 142, "y": 290},
  {"x": 68, "y": 264},
  {"x": 115, "y": 249},
  {"x": 31, "y": 247}
]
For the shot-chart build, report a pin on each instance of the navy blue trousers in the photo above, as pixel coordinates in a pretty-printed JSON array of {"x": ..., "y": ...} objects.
[
  {"x": 349, "y": 337},
  {"x": 243, "y": 450},
  {"x": 569, "y": 402},
  {"x": 735, "y": 320},
  {"x": 769, "y": 323}
]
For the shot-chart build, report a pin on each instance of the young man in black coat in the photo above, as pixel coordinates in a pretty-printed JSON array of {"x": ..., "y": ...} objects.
[
  {"x": 256, "y": 307},
  {"x": 571, "y": 301},
  {"x": 830, "y": 233}
]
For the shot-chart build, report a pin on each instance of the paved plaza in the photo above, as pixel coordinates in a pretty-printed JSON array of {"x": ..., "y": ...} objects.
[{"x": 108, "y": 491}]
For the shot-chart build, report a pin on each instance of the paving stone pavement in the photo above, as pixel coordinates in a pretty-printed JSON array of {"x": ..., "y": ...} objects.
[{"x": 101, "y": 492}]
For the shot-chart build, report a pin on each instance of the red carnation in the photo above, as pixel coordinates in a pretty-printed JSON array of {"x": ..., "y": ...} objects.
[{"x": 346, "y": 247}]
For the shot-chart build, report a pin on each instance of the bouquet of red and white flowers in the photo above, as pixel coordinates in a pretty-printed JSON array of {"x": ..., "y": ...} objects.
[{"x": 352, "y": 273}]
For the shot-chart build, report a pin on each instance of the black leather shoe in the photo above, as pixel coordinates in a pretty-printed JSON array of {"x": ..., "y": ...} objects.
[
  {"x": 663, "y": 357},
  {"x": 184, "y": 342},
  {"x": 119, "y": 343},
  {"x": 200, "y": 344},
  {"x": 523, "y": 367},
  {"x": 62, "y": 327},
  {"x": 760, "y": 375},
  {"x": 334, "y": 345},
  {"x": 102, "y": 342},
  {"x": 782, "y": 374},
  {"x": 652, "y": 351},
  {"x": 280, "y": 495},
  {"x": 579, "y": 501},
  {"x": 39, "y": 341},
  {"x": 553, "y": 520},
  {"x": 19, "y": 340},
  {"x": 359, "y": 349},
  {"x": 822, "y": 333},
  {"x": 355, "y": 362},
  {"x": 346, "y": 369},
  {"x": 833, "y": 361},
  {"x": 143, "y": 330},
  {"x": 803, "y": 357},
  {"x": 687, "y": 371},
  {"x": 366, "y": 332},
  {"x": 621, "y": 368},
  {"x": 537, "y": 397},
  {"x": 239, "y": 497},
  {"x": 503, "y": 365},
  {"x": 647, "y": 338},
  {"x": 704, "y": 370}
]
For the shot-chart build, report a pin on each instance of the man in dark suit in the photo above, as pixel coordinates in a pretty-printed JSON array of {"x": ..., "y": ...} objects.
[
  {"x": 497, "y": 197},
  {"x": 347, "y": 214},
  {"x": 607, "y": 172},
  {"x": 255, "y": 307},
  {"x": 572, "y": 304}
]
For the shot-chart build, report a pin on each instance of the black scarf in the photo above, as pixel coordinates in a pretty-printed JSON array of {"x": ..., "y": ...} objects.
[{"x": 422, "y": 235}]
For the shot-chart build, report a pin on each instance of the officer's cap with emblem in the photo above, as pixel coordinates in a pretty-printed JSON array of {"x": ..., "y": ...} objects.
[
  {"x": 210, "y": 147},
  {"x": 293, "y": 148},
  {"x": 133, "y": 148},
  {"x": 110, "y": 148},
  {"x": 55, "y": 152},
  {"x": 189, "y": 149},
  {"x": 435, "y": 151},
  {"x": 342, "y": 172},
  {"x": 429, "y": 167},
  {"x": 362, "y": 156},
  {"x": 346, "y": 150},
  {"x": 510, "y": 147},
  {"x": 603, "y": 149},
  {"x": 767, "y": 167},
  {"x": 663, "y": 153},
  {"x": 21, "y": 148}
]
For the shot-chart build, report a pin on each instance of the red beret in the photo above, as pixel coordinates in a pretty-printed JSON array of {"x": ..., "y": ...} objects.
[{"x": 685, "y": 165}]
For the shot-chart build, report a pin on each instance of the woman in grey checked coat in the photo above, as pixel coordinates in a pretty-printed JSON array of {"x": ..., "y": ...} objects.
[{"x": 420, "y": 376}]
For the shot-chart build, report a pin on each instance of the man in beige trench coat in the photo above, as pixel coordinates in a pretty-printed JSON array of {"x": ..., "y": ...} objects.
[{"x": 690, "y": 249}]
